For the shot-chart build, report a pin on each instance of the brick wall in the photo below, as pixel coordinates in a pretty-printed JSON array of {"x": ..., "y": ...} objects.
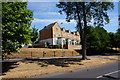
[
  {"x": 46, "y": 33},
  {"x": 73, "y": 46}
]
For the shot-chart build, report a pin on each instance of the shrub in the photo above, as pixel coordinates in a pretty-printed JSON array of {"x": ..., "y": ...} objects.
[{"x": 30, "y": 46}]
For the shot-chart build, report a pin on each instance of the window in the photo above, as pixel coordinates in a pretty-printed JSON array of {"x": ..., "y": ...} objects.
[
  {"x": 54, "y": 34},
  {"x": 74, "y": 33},
  {"x": 69, "y": 32},
  {"x": 66, "y": 36},
  {"x": 59, "y": 35},
  {"x": 62, "y": 35},
  {"x": 63, "y": 30},
  {"x": 56, "y": 29}
]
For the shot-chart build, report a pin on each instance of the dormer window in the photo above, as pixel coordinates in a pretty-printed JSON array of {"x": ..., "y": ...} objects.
[
  {"x": 63, "y": 30},
  {"x": 69, "y": 32},
  {"x": 56, "y": 29},
  {"x": 74, "y": 33}
]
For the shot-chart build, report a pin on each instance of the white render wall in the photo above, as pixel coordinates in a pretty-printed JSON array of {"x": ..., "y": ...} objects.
[
  {"x": 54, "y": 41},
  {"x": 50, "y": 41},
  {"x": 60, "y": 41}
]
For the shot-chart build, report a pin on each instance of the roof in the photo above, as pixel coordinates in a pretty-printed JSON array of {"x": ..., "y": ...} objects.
[{"x": 51, "y": 25}]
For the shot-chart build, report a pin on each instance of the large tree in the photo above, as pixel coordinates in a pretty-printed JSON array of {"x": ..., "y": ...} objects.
[
  {"x": 84, "y": 13},
  {"x": 16, "y": 22},
  {"x": 118, "y": 38},
  {"x": 93, "y": 40}
]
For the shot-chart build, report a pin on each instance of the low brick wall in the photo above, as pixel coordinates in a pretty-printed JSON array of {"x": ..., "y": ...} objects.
[
  {"x": 43, "y": 52},
  {"x": 73, "y": 46}
]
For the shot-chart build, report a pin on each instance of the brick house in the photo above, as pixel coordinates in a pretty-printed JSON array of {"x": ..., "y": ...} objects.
[{"x": 53, "y": 34}]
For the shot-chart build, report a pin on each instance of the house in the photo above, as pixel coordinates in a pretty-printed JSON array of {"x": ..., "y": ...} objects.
[{"x": 53, "y": 34}]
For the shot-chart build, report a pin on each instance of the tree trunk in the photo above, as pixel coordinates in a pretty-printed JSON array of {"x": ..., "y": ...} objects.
[
  {"x": 85, "y": 29},
  {"x": 80, "y": 26}
]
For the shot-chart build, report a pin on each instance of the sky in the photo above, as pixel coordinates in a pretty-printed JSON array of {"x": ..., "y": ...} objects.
[{"x": 45, "y": 13}]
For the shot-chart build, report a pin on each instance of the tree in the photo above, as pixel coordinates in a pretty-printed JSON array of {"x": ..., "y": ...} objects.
[
  {"x": 112, "y": 39},
  {"x": 34, "y": 34},
  {"x": 83, "y": 13},
  {"x": 93, "y": 40},
  {"x": 118, "y": 38},
  {"x": 16, "y": 22},
  {"x": 104, "y": 38}
]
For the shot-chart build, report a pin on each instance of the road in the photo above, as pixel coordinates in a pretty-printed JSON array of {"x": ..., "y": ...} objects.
[{"x": 110, "y": 71}]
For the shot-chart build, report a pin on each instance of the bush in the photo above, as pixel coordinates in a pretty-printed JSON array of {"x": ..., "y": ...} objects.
[
  {"x": 57, "y": 46},
  {"x": 30, "y": 46}
]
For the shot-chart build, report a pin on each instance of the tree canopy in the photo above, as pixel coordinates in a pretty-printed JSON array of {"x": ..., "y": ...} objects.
[
  {"x": 16, "y": 22},
  {"x": 85, "y": 13}
]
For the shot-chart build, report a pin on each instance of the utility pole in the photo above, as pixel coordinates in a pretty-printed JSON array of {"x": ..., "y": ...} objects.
[{"x": 62, "y": 42}]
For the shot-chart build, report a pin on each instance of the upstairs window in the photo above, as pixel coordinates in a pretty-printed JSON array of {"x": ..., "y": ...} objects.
[
  {"x": 56, "y": 29},
  {"x": 54, "y": 34},
  {"x": 62, "y": 35},
  {"x": 57, "y": 35}
]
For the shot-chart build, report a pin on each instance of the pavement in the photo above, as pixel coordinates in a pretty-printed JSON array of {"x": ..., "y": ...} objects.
[{"x": 43, "y": 58}]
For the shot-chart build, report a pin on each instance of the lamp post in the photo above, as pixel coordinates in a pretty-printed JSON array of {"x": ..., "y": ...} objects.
[{"x": 62, "y": 42}]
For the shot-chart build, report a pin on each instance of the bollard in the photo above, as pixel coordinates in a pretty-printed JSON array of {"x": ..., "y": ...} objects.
[
  {"x": 72, "y": 53},
  {"x": 54, "y": 53},
  {"x": 43, "y": 53},
  {"x": 31, "y": 54}
]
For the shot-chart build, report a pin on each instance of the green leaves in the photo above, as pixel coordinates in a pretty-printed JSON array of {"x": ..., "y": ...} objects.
[
  {"x": 97, "y": 38},
  {"x": 16, "y": 21},
  {"x": 34, "y": 34}
]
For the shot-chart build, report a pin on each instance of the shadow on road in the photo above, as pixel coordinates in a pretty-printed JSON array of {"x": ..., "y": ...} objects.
[
  {"x": 6, "y": 66},
  {"x": 63, "y": 62}
]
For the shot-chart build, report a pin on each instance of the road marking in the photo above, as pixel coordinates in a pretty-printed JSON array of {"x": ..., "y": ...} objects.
[
  {"x": 108, "y": 73},
  {"x": 99, "y": 76}
]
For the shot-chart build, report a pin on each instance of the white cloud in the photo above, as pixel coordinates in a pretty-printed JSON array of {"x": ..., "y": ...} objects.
[
  {"x": 43, "y": 0},
  {"x": 46, "y": 13},
  {"x": 36, "y": 20}
]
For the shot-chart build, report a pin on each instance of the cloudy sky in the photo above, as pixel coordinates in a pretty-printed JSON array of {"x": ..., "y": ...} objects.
[{"x": 46, "y": 13}]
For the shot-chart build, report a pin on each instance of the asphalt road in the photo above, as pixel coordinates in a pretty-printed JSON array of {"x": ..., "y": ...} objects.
[{"x": 110, "y": 71}]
